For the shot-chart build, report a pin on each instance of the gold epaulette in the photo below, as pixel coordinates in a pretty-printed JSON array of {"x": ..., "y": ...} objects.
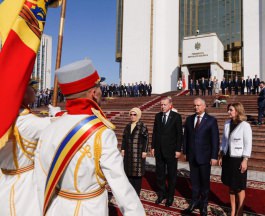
[{"x": 106, "y": 122}]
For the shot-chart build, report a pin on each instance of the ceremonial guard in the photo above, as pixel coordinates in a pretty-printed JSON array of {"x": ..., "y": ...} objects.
[
  {"x": 78, "y": 153},
  {"x": 18, "y": 191}
]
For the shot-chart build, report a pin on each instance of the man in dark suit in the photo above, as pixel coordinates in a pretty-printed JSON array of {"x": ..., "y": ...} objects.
[
  {"x": 210, "y": 87},
  {"x": 201, "y": 145},
  {"x": 230, "y": 86},
  {"x": 166, "y": 147},
  {"x": 242, "y": 85},
  {"x": 261, "y": 102},
  {"x": 249, "y": 85},
  {"x": 203, "y": 86},
  {"x": 236, "y": 85},
  {"x": 191, "y": 86},
  {"x": 223, "y": 85},
  {"x": 149, "y": 89},
  {"x": 256, "y": 82}
]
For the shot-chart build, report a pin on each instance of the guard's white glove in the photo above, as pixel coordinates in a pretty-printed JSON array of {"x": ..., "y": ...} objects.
[{"x": 53, "y": 110}]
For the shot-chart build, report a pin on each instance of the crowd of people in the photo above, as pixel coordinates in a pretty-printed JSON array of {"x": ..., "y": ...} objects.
[
  {"x": 62, "y": 164},
  {"x": 227, "y": 87},
  {"x": 44, "y": 97},
  {"x": 129, "y": 90}
]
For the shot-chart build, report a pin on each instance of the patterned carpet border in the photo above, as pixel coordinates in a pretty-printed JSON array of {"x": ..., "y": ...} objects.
[
  {"x": 148, "y": 199},
  {"x": 214, "y": 178}
]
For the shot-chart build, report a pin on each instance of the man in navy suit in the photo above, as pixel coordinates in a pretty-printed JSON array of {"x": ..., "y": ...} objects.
[
  {"x": 203, "y": 86},
  {"x": 242, "y": 85},
  {"x": 256, "y": 82},
  {"x": 261, "y": 102},
  {"x": 201, "y": 145},
  {"x": 236, "y": 85},
  {"x": 191, "y": 86},
  {"x": 166, "y": 147},
  {"x": 249, "y": 85},
  {"x": 223, "y": 85}
]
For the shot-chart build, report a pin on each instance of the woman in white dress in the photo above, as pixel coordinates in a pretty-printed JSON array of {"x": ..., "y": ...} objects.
[
  {"x": 179, "y": 84},
  {"x": 216, "y": 86}
]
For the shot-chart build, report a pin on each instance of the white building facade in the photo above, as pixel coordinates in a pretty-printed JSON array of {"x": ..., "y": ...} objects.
[
  {"x": 43, "y": 65},
  {"x": 151, "y": 35},
  {"x": 42, "y": 68}
]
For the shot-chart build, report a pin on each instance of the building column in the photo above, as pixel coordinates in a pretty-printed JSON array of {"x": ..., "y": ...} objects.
[{"x": 217, "y": 72}]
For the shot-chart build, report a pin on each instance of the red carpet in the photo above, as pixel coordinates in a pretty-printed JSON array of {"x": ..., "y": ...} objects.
[{"x": 218, "y": 198}]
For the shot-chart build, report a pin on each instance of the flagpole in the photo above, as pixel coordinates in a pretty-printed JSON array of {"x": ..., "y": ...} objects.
[{"x": 59, "y": 52}]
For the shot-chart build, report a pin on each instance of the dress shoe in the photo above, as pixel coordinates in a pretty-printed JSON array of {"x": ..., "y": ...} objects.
[
  {"x": 169, "y": 202},
  {"x": 193, "y": 205},
  {"x": 160, "y": 199},
  {"x": 203, "y": 211}
]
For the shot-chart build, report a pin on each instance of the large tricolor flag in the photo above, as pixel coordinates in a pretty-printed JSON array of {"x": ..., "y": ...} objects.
[{"x": 21, "y": 26}]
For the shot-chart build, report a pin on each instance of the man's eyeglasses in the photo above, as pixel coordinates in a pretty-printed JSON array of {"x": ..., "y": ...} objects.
[{"x": 132, "y": 114}]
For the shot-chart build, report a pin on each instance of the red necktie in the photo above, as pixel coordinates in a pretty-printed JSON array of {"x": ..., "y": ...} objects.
[{"x": 198, "y": 122}]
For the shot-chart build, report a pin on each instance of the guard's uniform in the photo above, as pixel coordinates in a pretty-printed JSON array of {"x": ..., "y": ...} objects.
[
  {"x": 18, "y": 191},
  {"x": 81, "y": 190}
]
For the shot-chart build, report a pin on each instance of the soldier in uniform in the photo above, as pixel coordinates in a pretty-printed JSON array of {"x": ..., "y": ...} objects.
[
  {"x": 18, "y": 192},
  {"x": 78, "y": 153}
]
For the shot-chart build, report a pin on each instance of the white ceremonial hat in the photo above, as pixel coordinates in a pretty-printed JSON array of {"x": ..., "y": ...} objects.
[{"x": 77, "y": 77}]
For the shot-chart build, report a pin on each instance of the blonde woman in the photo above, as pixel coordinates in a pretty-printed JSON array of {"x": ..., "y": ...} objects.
[
  {"x": 235, "y": 150},
  {"x": 134, "y": 149}
]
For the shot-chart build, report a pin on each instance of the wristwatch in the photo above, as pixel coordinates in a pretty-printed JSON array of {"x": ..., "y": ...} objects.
[{"x": 245, "y": 158}]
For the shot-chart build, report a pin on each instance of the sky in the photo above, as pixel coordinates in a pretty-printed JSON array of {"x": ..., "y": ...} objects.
[{"x": 89, "y": 32}]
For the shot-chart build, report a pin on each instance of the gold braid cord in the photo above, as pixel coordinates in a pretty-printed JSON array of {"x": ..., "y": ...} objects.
[
  {"x": 103, "y": 119},
  {"x": 97, "y": 154},
  {"x": 7, "y": 135}
]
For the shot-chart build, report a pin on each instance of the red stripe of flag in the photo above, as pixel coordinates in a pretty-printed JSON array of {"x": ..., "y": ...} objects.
[{"x": 16, "y": 64}]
